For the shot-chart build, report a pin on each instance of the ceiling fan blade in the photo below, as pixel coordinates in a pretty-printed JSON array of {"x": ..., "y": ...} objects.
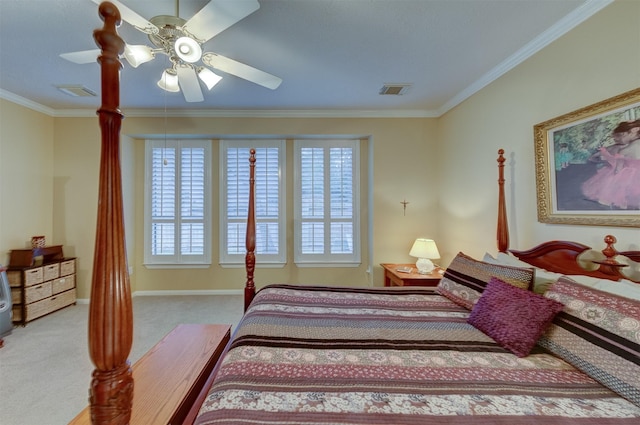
[
  {"x": 189, "y": 84},
  {"x": 241, "y": 70},
  {"x": 132, "y": 17},
  {"x": 84, "y": 56},
  {"x": 217, "y": 16}
]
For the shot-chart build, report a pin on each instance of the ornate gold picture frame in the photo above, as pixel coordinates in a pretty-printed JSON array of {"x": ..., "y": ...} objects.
[{"x": 588, "y": 164}]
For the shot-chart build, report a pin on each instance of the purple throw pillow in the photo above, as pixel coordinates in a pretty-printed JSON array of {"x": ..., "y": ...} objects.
[{"x": 515, "y": 318}]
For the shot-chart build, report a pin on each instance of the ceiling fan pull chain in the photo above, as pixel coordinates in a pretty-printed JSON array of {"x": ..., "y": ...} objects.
[{"x": 164, "y": 158}]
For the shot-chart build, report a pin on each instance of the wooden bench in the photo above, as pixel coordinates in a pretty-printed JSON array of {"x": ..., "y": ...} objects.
[{"x": 169, "y": 377}]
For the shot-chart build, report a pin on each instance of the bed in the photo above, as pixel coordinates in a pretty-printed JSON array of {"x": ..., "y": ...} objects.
[{"x": 518, "y": 338}]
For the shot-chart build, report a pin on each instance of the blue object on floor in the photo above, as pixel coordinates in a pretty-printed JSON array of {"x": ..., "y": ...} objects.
[{"x": 6, "y": 308}]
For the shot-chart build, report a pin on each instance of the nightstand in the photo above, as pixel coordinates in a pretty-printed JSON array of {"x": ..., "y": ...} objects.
[{"x": 392, "y": 277}]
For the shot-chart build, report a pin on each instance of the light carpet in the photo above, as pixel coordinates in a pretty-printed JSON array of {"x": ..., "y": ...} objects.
[{"x": 45, "y": 369}]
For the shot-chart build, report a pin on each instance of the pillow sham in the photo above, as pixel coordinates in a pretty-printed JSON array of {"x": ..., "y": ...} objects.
[
  {"x": 515, "y": 318},
  {"x": 623, "y": 287},
  {"x": 599, "y": 333},
  {"x": 511, "y": 260},
  {"x": 465, "y": 278},
  {"x": 543, "y": 279}
]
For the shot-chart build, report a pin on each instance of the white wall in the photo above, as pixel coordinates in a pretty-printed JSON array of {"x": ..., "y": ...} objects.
[
  {"x": 598, "y": 59},
  {"x": 27, "y": 185}
]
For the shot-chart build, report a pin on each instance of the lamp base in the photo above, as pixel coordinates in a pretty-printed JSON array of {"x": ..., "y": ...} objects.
[{"x": 424, "y": 266}]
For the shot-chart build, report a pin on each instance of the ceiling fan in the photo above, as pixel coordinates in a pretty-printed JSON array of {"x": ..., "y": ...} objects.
[{"x": 181, "y": 40}]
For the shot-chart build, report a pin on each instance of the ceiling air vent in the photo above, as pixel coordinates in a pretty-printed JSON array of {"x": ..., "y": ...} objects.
[
  {"x": 395, "y": 89},
  {"x": 76, "y": 90}
]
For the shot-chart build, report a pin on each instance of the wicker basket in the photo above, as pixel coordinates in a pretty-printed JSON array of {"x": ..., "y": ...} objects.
[
  {"x": 51, "y": 271},
  {"x": 67, "y": 267},
  {"x": 63, "y": 284}
]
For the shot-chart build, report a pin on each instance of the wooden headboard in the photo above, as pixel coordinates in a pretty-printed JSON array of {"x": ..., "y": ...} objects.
[{"x": 574, "y": 258}]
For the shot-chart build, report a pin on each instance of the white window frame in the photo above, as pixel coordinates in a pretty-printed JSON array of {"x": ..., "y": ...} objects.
[
  {"x": 273, "y": 260},
  {"x": 177, "y": 260},
  {"x": 327, "y": 259}
]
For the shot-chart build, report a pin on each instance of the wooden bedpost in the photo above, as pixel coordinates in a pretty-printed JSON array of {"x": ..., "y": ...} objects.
[
  {"x": 110, "y": 310},
  {"x": 250, "y": 258},
  {"x": 503, "y": 226}
]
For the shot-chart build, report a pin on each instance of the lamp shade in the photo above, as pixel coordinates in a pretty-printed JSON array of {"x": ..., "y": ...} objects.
[
  {"x": 208, "y": 77},
  {"x": 138, "y": 54},
  {"x": 425, "y": 250},
  {"x": 169, "y": 81},
  {"x": 188, "y": 49}
]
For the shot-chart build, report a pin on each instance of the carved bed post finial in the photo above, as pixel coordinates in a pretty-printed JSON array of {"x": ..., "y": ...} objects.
[
  {"x": 110, "y": 310},
  {"x": 610, "y": 251},
  {"x": 610, "y": 265},
  {"x": 503, "y": 226},
  {"x": 250, "y": 258}
]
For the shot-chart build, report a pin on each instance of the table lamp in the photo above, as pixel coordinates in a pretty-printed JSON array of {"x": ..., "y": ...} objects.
[{"x": 425, "y": 250}]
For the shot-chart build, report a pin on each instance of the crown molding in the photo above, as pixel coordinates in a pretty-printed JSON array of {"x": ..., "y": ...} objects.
[
  {"x": 281, "y": 113},
  {"x": 563, "y": 26},
  {"x": 225, "y": 113},
  {"x": 19, "y": 100}
]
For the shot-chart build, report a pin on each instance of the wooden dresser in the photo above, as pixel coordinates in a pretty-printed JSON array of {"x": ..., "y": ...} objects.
[{"x": 42, "y": 281}]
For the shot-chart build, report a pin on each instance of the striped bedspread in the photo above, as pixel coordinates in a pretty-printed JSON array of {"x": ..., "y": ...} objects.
[{"x": 319, "y": 355}]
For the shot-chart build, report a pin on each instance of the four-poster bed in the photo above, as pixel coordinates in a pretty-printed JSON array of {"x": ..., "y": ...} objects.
[{"x": 312, "y": 354}]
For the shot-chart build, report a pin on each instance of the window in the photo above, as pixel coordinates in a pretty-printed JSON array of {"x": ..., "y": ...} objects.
[
  {"x": 269, "y": 201},
  {"x": 326, "y": 202},
  {"x": 177, "y": 202}
]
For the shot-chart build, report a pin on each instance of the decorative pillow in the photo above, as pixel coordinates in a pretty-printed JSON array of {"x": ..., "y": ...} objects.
[
  {"x": 515, "y": 318},
  {"x": 542, "y": 278},
  {"x": 465, "y": 279},
  {"x": 623, "y": 287},
  {"x": 511, "y": 260},
  {"x": 599, "y": 333}
]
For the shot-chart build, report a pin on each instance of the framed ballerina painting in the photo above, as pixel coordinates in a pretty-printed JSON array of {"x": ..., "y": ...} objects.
[{"x": 588, "y": 164}]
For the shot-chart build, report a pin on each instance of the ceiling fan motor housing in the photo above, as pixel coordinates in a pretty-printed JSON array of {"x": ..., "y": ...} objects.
[{"x": 170, "y": 29}]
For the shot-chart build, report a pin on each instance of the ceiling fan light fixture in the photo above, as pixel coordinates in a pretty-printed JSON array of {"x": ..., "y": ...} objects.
[
  {"x": 208, "y": 77},
  {"x": 138, "y": 54},
  {"x": 188, "y": 49},
  {"x": 169, "y": 81}
]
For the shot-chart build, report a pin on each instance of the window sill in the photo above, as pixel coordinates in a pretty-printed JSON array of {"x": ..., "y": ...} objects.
[
  {"x": 177, "y": 266},
  {"x": 304, "y": 265},
  {"x": 258, "y": 264}
]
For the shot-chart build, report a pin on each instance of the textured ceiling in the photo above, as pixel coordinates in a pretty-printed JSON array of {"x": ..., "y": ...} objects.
[{"x": 333, "y": 55}]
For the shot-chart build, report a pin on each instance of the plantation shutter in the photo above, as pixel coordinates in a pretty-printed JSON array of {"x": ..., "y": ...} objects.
[
  {"x": 327, "y": 217},
  {"x": 179, "y": 208},
  {"x": 269, "y": 213}
]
